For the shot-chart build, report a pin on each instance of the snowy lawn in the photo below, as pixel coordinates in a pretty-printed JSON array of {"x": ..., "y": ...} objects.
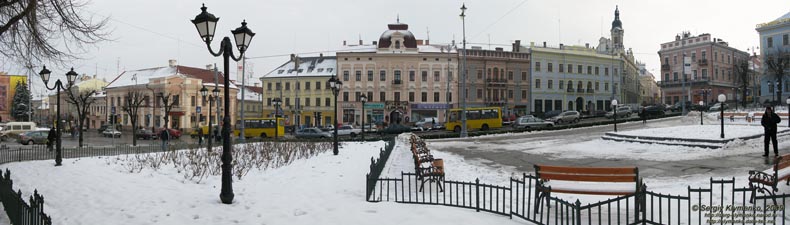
[
  {"x": 709, "y": 132},
  {"x": 324, "y": 189}
]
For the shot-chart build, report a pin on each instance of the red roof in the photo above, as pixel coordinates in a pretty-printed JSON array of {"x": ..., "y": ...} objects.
[{"x": 206, "y": 75}]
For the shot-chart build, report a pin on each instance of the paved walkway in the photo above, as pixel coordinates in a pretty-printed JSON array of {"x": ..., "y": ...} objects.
[{"x": 523, "y": 161}]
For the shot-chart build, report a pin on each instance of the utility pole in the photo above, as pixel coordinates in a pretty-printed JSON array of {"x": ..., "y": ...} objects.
[{"x": 241, "y": 118}]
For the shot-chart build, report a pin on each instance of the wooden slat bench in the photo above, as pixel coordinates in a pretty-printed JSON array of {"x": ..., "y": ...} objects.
[
  {"x": 586, "y": 180},
  {"x": 427, "y": 168},
  {"x": 766, "y": 181}
]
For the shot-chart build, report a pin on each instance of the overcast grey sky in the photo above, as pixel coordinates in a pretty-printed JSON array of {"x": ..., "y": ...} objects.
[{"x": 147, "y": 33}]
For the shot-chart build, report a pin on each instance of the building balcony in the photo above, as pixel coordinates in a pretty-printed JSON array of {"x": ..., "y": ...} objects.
[
  {"x": 679, "y": 83},
  {"x": 397, "y": 81},
  {"x": 664, "y": 67},
  {"x": 580, "y": 90},
  {"x": 570, "y": 90},
  {"x": 590, "y": 90},
  {"x": 702, "y": 62}
]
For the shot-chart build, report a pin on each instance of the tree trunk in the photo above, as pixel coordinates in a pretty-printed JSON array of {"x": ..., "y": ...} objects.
[
  {"x": 79, "y": 126},
  {"x": 779, "y": 89},
  {"x": 134, "y": 131},
  {"x": 743, "y": 96}
]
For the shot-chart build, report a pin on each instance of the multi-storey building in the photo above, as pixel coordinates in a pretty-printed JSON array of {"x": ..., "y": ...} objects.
[
  {"x": 253, "y": 101},
  {"x": 404, "y": 79},
  {"x": 8, "y": 85},
  {"x": 68, "y": 112},
  {"x": 774, "y": 41},
  {"x": 650, "y": 92},
  {"x": 585, "y": 78},
  {"x": 303, "y": 90},
  {"x": 712, "y": 71},
  {"x": 499, "y": 78},
  {"x": 182, "y": 84},
  {"x": 573, "y": 78}
]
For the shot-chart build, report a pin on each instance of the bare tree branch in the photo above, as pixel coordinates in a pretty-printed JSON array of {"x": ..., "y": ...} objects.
[
  {"x": 82, "y": 100},
  {"x": 54, "y": 31}
]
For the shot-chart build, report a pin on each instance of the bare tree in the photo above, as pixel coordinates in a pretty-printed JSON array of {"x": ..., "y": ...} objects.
[
  {"x": 742, "y": 79},
  {"x": 52, "y": 30},
  {"x": 778, "y": 62},
  {"x": 168, "y": 104},
  {"x": 82, "y": 101},
  {"x": 132, "y": 102}
]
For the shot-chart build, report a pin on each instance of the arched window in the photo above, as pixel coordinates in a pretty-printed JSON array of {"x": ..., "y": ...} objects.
[
  {"x": 589, "y": 85},
  {"x": 397, "y": 44},
  {"x": 580, "y": 86},
  {"x": 570, "y": 85}
]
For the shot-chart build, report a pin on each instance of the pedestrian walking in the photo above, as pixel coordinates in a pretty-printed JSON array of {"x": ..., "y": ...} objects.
[
  {"x": 643, "y": 114},
  {"x": 51, "y": 138},
  {"x": 165, "y": 136},
  {"x": 200, "y": 138},
  {"x": 769, "y": 122}
]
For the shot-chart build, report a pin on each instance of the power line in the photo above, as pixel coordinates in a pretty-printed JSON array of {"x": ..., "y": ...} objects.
[{"x": 500, "y": 19}]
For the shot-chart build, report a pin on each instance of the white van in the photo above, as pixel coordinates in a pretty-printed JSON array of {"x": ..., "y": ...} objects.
[{"x": 13, "y": 129}]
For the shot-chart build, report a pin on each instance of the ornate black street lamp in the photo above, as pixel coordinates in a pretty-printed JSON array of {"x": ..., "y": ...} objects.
[
  {"x": 700, "y": 111},
  {"x": 276, "y": 102},
  {"x": 210, "y": 99},
  {"x": 335, "y": 84},
  {"x": 614, "y": 115},
  {"x": 364, "y": 99},
  {"x": 721, "y": 99},
  {"x": 206, "y": 23},
  {"x": 70, "y": 76}
]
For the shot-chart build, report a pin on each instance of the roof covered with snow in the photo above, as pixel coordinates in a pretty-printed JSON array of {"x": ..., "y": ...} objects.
[
  {"x": 251, "y": 93},
  {"x": 308, "y": 66},
  {"x": 143, "y": 76}
]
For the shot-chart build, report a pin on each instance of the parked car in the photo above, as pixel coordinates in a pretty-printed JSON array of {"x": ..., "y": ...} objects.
[
  {"x": 14, "y": 129},
  {"x": 526, "y": 122},
  {"x": 371, "y": 128},
  {"x": 426, "y": 122},
  {"x": 717, "y": 107},
  {"x": 622, "y": 112},
  {"x": 507, "y": 120},
  {"x": 146, "y": 134},
  {"x": 348, "y": 130},
  {"x": 570, "y": 116},
  {"x": 111, "y": 132},
  {"x": 551, "y": 114},
  {"x": 103, "y": 127},
  {"x": 33, "y": 137},
  {"x": 654, "y": 110},
  {"x": 312, "y": 133},
  {"x": 174, "y": 134}
]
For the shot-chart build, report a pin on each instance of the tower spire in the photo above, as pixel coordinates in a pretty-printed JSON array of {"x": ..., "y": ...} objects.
[{"x": 397, "y": 20}]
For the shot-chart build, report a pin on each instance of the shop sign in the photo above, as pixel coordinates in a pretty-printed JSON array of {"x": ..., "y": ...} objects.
[
  {"x": 394, "y": 105},
  {"x": 374, "y": 105},
  {"x": 429, "y": 106},
  {"x": 349, "y": 105}
]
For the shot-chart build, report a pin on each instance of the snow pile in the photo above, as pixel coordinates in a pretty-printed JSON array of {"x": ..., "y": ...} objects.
[{"x": 325, "y": 189}]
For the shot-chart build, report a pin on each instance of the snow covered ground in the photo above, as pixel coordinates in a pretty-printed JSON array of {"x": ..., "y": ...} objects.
[{"x": 325, "y": 189}]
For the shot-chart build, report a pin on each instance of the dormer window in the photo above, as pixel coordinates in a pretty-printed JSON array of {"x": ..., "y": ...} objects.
[
  {"x": 280, "y": 72},
  {"x": 397, "y": 44}
]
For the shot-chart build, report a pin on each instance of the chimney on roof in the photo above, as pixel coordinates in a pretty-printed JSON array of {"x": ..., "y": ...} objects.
[
  {"x": 499, "y": 49},
  {"x": 209, "y": 67},
  {"x": 561, "y": 45},
  {"x": 344, "y": 42},
  {"x": 427, "y": 42},
  {"x": 172, "y": 62},
  {"x": 320, "y": 55},
  {"x": 360, "y": 41},
  {"x": 544, "y": 44},
  {"x": 517, "y": 46},
  {"x": 256, "y": 84},
  {"x": 375, "y": 43},
  {"x": 587, "y": 45}
]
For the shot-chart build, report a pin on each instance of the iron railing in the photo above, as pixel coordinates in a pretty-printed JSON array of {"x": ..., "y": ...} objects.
[
  {"x": 377, "y": 166},
  {"x": 720, "y": 203},
  {"x": 20, "y": 212}
]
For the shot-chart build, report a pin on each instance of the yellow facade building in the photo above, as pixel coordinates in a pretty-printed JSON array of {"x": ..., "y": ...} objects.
[{"x": 306, "y": 99}]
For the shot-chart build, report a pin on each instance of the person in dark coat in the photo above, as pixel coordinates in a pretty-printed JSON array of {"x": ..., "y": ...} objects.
[
  {"x": 769, "y": 121},
  {"x": 164, "y": 135},
  {"x": 643, "y": 114},
  {"x": 51, "y": 139}
]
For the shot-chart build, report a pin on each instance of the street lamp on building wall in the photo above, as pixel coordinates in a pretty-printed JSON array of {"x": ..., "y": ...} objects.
[
  {"x": 206, "y": 23},
  {"x": 364, "y": 99},
  {"x": 335, "y": 84},
  {"x": 58, "y": 87}
]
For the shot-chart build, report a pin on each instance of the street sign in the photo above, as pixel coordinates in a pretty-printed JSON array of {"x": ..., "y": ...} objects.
[
  {"x": 197, "y": 108},
  {"x": 112, "y": 110}
]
